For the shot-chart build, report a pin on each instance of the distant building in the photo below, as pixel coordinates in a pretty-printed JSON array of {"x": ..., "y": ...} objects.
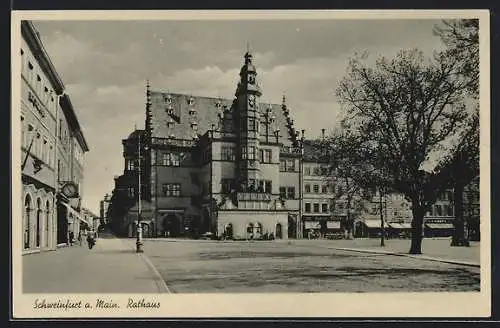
[
  {"x": 52, "y": 147},
  {"x": 103, "y": 209}
]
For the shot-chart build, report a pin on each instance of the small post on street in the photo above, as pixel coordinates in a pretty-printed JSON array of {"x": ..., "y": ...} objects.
[
  {"x": 139, "y": 243},
  {"x": 382, "y": 226}
]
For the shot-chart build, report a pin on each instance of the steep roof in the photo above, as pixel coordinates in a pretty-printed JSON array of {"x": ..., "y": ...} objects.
[{"x": 203, "y": 111}]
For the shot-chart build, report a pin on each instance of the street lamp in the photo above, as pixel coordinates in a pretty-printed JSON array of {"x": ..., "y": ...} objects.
[{"x": 139, "y": 243}]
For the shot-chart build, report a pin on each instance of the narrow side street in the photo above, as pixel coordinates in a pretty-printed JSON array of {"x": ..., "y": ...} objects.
[{"x": 110, "y": 267}]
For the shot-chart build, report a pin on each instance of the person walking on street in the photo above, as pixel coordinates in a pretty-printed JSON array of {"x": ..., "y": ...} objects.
[
  {"x": 91, "y": 239},
  {"x": 71, "y": 238},
  {"x": 80, "y": 237}
]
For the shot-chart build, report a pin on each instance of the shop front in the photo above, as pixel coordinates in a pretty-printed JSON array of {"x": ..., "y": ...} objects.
[
  {"x": 438, "y": 228},
  {"x": 321, "y": 227},
  {"x": 373, "y": 228},
  {"x": 399, "y": 229}
]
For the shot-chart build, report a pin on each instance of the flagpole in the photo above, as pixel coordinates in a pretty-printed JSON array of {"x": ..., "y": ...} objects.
[{"x": 29, "y": 147}]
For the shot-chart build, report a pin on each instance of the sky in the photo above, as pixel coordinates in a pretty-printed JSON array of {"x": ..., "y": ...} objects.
[{"x": 105, "y": 64}]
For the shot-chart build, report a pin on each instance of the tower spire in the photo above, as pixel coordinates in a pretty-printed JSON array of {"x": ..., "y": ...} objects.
[{"x": 283, "y": 101}]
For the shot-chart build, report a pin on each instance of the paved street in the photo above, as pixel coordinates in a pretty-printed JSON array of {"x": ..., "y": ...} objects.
[
  {"x": 110, "y": 267},
  {"x": 297, "y": 266},
  {"x": 189, "y": 266}
]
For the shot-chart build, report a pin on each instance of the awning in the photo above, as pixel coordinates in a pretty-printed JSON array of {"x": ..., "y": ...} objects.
[
  {"x": 172, "y": 211},
  {"x": 396, "y": 226},
  {"x": 76, "y": 214},
  {"x": 439, "y": 225},
  {"x": 375, "y": 224}
]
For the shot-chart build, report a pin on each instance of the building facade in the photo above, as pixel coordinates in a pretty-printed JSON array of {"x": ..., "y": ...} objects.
[
  {"x": 236, "y": 168},
  {"x": 47, "y": 153},
  {"x": 70, "y": 171},
  {"x": 103, "y": 209}
]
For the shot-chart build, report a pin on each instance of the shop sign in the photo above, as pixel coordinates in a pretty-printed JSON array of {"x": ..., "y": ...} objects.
[
  {"x": 333, "y": 224},
  {"x": 312, "y": 225}
]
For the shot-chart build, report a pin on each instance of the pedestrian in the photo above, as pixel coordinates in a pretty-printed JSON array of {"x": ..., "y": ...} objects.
[
  {"x": 91, "y": 239},
  {"x": 71, "y": 238},
  {"x": 80, "y": 237}
]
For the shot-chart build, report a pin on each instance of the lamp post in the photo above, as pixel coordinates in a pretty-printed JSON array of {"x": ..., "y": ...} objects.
[{"x": 139, "y": 244}]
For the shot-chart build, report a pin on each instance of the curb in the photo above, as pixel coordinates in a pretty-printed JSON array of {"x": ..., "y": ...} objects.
[
  {"x": 161, "y": 284},
  {"x": 418, "y": 257}
]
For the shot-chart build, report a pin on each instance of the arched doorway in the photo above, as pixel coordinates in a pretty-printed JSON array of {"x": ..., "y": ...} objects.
[
  {"x": 250, "y": 231},
  {"x": 279, "y": 231},
  {"x": 292, "y": 226},
  {"x": 27, "y": 219},
  {"x": 172, "y": 225},
  {"x": 38, "y": 221},
  {"x": 228, "y": 231},
  {"x": 47, "y": 225},
  {"x": 206, "y": 221},
  {"x": 257, "y": 230}
]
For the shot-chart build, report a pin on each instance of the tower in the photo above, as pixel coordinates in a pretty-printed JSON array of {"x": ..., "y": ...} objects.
[{"x": 247, "y": 122}]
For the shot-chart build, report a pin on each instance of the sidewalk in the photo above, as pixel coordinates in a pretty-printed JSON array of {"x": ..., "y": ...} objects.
[
  {"x": 438, "y": 249},
  {"x": 111, "y": 266}
]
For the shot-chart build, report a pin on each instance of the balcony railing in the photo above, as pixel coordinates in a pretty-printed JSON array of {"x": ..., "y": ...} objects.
[
  {"x": 173, "y": 142},
  {"x": 253, "y": 196},
  {"x": 290, "y": 150}
]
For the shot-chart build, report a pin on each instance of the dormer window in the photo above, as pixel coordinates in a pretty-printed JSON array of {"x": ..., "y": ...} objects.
[
  {"x": 168, "y": 99},
  {"x": 170, "y": 123},
  {"x": 190, "y": 101},
  {"x": 172, "y": 136},
  {"x": 194, "y": 126},
  {"x": 218, "y": 105},
  {"x": 195, "y": 136},
  {"x": 192, "y": 111},
  {"x": 169, "y": 110}
]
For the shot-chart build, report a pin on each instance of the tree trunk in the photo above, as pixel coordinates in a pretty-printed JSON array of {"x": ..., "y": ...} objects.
[
  {"x": 349, "y": 223},
  {"x": 459, "y": 237},
  {"x": 382, "y": 227},
  {"x": 416, "y": 229}
]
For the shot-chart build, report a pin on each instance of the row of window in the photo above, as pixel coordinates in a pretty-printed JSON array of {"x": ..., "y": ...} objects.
[
  {"x": 287, "y": 165},
  {"x": 250, "y": 124},
  {"x": 442, "y": 210},
  {"x": 254, "y": 185},
  {"x": 41, "y": 147},
  {"x": 287, "y": 192},
  {"x": 316, "y": 208},
  {"x": 316, "y": 170},
  {"x": 324, "y": 188},
  {"x": 34, "y": 76}
]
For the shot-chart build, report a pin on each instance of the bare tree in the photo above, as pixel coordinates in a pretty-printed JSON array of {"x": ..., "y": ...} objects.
[
  {"x": 342, "y": 151},
  {"x": 461, "y": 38},
  {"x": 462, "y": 162},
  {"x": 405, "y": 109}
]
